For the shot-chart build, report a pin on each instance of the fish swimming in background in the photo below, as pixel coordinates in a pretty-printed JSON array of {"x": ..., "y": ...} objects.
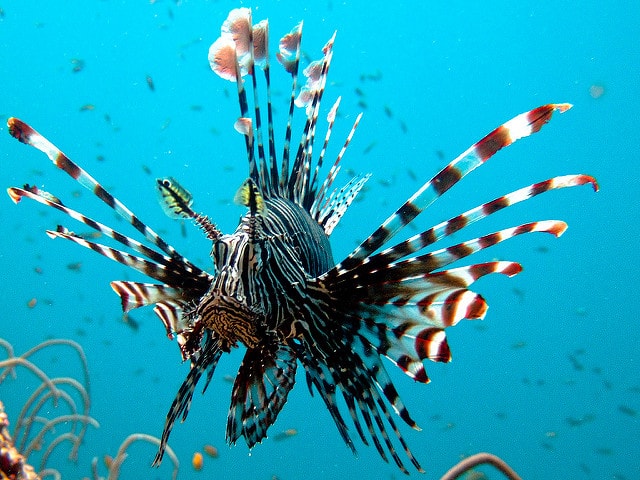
[{"x": 275, "y": 289}]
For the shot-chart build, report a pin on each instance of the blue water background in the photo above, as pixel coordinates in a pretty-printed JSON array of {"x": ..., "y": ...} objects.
[{"x": 446, "y": 73}]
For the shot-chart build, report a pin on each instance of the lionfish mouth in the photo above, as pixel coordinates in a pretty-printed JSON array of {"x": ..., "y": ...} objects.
[{"x": 336, "y": 320}]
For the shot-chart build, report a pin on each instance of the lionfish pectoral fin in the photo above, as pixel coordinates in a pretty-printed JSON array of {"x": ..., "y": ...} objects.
[
  {"x": 205, "y": 360},
  {"x": 403, "y": 313},
  {"x": 351, "y": 367},
  {"x": 264, "y": 380}
]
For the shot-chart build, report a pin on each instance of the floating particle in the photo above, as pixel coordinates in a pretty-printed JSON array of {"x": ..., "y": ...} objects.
[
  {"x": 387, "y": 111},
  {"x": 211, "y": 451},
  {"x": 632, "y": 412},
  {"x": 550, "y": 434},
  {"x": 87, "y": 107},
  {"x": 547, "y": 446},
  {"x": 38, "y": 270},
  {"x": 196, "y": 108},
  {"x": 518, "y": 293},
  {"x": 581, "y": 311},
  {"x": 363, "y": 105},
  {"x": 229, "y": 379},
  {"x": 596, "y": 91},
  {"x": 604, "y": 451},
  {"x": 289, "y": 432},
  {"x": 78, "y": 65},
  {"x": 542, "y": 249},
  {"x": 369, "y": 147},
  {"x": 374, "y": 77},
  {"x": 146, "y": 169},
  {"x": 100, "y": 158},
  {"x": 32, "y": 303},
  {"x": 359, "y": 92},
  {"x": 403, "y": 126},
  {"x": 520, "y": 344},
  {"x": 585, "y": 468},
  {"x": 577, "y": 366},
  {"x": 412, "y": 174},
  {"x": 74, "y": 266},
  {"x": 150, "y": 84},
  {"x": 197, "y": 461},
  {"x": 576, "y": 422}
]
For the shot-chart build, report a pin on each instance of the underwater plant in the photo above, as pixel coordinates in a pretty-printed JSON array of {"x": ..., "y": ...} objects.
[{"x": 55, "y": 403}]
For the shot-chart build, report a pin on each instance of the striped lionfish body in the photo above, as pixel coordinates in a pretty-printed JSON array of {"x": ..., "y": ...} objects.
[{"x": 275, "y": 288}]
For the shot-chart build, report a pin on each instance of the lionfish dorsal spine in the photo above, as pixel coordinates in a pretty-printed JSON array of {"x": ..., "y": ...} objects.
[{"x": 289, "y": 56}]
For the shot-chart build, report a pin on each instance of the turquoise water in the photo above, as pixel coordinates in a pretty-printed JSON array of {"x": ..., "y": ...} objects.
[{"x": 549, "y": 380}]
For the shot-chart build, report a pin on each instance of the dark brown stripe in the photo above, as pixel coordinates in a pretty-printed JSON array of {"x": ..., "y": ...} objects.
[
  {"x": 446, "y": 179},
  {"x": 495, "y": 205},
  {"x": 539, "y": 116},
  {"x": 455, "y": 224},
  {"x": 63, "y": 162},
  {"x": 493, "y": 142}
]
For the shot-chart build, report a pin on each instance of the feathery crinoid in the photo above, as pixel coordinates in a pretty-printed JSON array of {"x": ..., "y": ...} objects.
[{"x": 275, "y": 289}]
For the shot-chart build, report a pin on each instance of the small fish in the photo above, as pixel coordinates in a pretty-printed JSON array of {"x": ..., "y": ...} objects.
[
  {"x": 74, "y": 266},
  {"x": 197, "y": 461},
  {"x": 288, "y": 433},
  {"x": 176, "y": 200},
  {"x": 78, "y": 65},
  {"x": 274, "y": 287},
  {"x": 632, "y": 412},
  {"x": 150, "y": 83},
  {"x": 211, "y": 451}
]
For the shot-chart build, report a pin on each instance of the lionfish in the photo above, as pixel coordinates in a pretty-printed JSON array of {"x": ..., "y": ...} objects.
[{"x": 276, "y": 289}]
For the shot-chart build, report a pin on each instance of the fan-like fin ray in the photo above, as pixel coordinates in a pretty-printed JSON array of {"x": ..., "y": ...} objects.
[
  {"x": 518, "y": 127},
  {"x": 25, "y": 134},
  {"x": 265, "y": 378}
]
